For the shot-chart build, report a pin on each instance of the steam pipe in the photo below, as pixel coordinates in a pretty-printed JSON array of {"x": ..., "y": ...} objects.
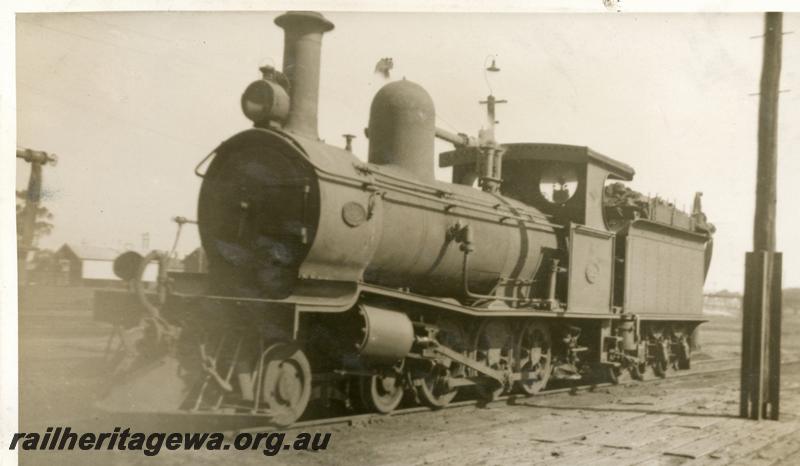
[
  {"x": 302, "y": 45},
  {"x": 551, "y": 293},
  {"x": 457, "y": 139},
  {"x": 463, "y": 234}
]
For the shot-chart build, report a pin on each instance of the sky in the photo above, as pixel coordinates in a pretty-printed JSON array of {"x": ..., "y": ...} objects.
[{"x": 131, "y": 102}]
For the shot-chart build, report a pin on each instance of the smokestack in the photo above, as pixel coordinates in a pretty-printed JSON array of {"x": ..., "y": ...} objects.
[{"x": 301, "y": 58}]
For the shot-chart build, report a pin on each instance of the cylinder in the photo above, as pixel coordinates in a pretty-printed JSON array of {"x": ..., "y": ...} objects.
[
  {"x": 301, "y": 64},
  {"x": 387, "y": 336},
  {"x": 402, "y": 129}
]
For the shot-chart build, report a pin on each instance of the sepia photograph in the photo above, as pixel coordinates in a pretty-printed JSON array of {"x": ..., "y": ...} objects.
[{"x": 320, "y": 233}]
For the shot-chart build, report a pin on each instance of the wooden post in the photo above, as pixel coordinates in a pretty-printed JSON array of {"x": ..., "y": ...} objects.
[
  {"x": 766, "y": 198},
  {"x": 761, "y": 306},
  {"x": 761, "y": 336}
]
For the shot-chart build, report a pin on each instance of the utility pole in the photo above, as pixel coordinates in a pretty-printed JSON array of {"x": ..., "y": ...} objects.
[
  {"x": 37, "y": 159},
  {"x": 761, "y": 307}
]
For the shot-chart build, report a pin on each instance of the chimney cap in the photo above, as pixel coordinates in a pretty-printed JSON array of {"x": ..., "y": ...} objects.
[{"x": 290, "y": 17}]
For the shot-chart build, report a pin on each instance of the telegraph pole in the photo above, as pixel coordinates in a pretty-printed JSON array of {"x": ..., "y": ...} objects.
[
  {"x": 37, "y": 159},
  {"x": 761, "y": 310}
]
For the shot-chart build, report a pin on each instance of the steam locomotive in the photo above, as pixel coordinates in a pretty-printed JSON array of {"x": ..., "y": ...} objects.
[{"x": 334, "y": 280}]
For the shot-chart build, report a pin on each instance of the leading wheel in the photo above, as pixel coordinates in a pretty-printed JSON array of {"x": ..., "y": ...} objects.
[
  {"x": 431, "y": 384},
  {"x": 285, "y": 383},
  {"x": 533, "y": 350},
  {"x": 383, "y": 392}
]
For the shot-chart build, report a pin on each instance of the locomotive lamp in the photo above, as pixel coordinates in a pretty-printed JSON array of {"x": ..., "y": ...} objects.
[
  {"x": 266, "y": 100},
  {"x": 290, "y": 100}
]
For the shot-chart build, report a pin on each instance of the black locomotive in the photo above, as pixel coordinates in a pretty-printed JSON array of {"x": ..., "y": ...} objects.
[{"x": 333, "y": 279}]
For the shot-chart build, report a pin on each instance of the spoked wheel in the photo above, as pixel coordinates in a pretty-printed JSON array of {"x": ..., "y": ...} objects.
[
  {"x": 533, "y": 350},
  {"x": 492, "y": 345},
  {"x": 641, "y": 372},
  {"x": 683, "y": 349},
  {"x": 659, "y": 368},
  {"x": 383, "y": 392},
  {"x": 285, "y": 382},
  {"x": 660, "y": 359},
  {"x": 622, "y": 375},
  {"x": 684, "y": 353},
  {"x": 431, "y": 386}
]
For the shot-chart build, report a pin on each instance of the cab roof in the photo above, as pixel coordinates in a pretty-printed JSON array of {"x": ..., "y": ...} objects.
[{"x": 544, "y": 151}]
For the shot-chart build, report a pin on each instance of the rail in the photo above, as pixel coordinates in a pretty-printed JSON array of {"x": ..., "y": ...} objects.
[{"x": 365, "y": 418}]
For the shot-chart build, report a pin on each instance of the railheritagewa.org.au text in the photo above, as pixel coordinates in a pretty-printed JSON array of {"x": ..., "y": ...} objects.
[{"x": 151, "y": 444}]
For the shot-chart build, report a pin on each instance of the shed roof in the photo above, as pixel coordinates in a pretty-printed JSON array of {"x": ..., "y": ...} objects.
[{"x": 83, "y": 251}]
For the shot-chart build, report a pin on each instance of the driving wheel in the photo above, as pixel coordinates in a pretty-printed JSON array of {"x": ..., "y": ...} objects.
[
  {"x": 432, "y": 381},
  {"x": 533, "y": 350},
  {"x": 492, "y": 345}
]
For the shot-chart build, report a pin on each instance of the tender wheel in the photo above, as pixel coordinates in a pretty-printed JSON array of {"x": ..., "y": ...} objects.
[
  {"x": 659, "y": 369},
  {"x": 612, "y": 374},
  {"x": 431, "y": 384},
  {"x": 661, "y": 361},
  {"x": 533, "y": 350},
  {"x": 642, "y": 372},
  {"x": 660, "y": 344},
  {"x": 492, "y": 345},
  {"x": 622, "y": 375},
  {"x": 638, "y": 371},
  {"x": 684, "y": 354},
  {"x": 681, "y": 347},
  {"x": 286, "y": 382},
  {"x": 384, "y": 392}
]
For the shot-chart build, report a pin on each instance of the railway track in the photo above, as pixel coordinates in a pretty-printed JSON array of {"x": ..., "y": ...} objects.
[{"x": 701, "y": 367}]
